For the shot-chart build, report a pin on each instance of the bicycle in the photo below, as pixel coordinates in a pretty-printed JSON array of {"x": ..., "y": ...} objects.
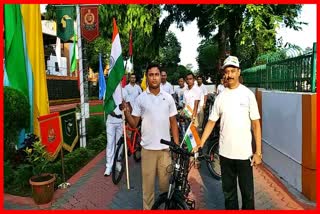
[
  {"x": 213, "y": 142},
  {"x": 134, "y": 147},
  {"x": 179, "y": 187}
]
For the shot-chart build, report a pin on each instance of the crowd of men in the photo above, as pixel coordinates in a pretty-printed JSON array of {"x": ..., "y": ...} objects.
[{"x": 156, "y": 109}]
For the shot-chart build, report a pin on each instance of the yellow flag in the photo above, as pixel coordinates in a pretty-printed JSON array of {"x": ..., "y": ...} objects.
[
  {"x": 144, "y": 82},
  {"x": 34, "y": 42}
]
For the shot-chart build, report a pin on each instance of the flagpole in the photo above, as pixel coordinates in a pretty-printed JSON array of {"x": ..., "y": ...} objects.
[
  {"x": 125, "y": 144},
  {"x": 82, "y": 105}
]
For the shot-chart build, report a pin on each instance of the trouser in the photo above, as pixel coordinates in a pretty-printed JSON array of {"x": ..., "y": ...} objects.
[
  {"x": 114, "y": 133},
  {"x": 154, "y": 163},
  {"x": 200, "y": 119},
  {"x": 231, "y": 170}
]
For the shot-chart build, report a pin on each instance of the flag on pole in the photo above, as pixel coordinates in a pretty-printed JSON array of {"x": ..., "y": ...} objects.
[
  {"x": 113, "y": 94},
  {"x": 124, "y": 81},
  {"x": 130, "y": 44},
  {"x": 144, "y": 82},
  {"x": 102, "y": 81},
  {"x": 188, "y": 111},
  {"x": 14, "y": 54},
  {"x": 65, "y": 26},
  {"x": 73, "y": 66},
  {"x": 192, "y": 137}
]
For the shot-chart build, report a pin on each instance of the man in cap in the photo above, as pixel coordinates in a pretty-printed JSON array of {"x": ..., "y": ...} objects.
[{"x": 238, "y": 110}]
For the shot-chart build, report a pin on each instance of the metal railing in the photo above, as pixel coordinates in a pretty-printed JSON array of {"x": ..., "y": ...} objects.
[{"x": 294, "y": 74}]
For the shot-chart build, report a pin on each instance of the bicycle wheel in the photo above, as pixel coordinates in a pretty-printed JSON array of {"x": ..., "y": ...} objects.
[
  {"x": 175, "y": 203},
  {"x": 137, "y": 149},
  {"x": 118, "y": 162},
  {"x": 214, "y": 164}
]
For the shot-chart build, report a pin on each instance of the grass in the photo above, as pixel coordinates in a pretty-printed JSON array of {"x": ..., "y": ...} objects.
[{"x": 96, "y": 108}]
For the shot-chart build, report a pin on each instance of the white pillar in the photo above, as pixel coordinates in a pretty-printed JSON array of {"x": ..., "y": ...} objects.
[{"x": 83, "y": 119}]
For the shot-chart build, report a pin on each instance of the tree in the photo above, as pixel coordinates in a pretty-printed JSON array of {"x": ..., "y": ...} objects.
[
  {"x": 248, "y": 29},
  {"x": 208, "y": 58},
  {"x": 170, "y": 50}
]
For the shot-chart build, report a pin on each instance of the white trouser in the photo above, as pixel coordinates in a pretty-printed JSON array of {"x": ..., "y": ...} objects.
[{"x": 114, "y": 132}]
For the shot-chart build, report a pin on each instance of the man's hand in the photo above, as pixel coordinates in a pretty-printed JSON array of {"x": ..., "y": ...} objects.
[
  {"x": 256, "y": 160},
  {"x": 196, "y": 149},
  {"x": 124, "y": 106}
]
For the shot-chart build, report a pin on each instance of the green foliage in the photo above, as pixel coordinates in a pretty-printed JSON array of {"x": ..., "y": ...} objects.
[
  {"x": 247, "y": 30},
  {"x": 96, "y": 108},
  {"x": 96, "y": 126},
  {"x": 16, "y": 117},
  {"x": 174, "y": 73},
  {"x": 208, "y": 58},
  {"x": 170, "y": 50},
  {"x": 37, "y": 157},
  {"x": 16, "y": 180},
  {"x": 99, "y": 45},
  {"x": 97, "y": 144}
]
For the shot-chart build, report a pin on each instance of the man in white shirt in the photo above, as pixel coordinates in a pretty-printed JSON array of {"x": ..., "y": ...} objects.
[
  {"x": 157, "y": 111},
  {"x": 220, "y": 86},
  {"x": 238, "y": 110},
  {"x": 203, "y": 101},
  {"x": 133, "y": 89},
  {"x": 114, "y": 130},
  {"x": 179, "y": 92},
  {"x": 165, "y": 85},
  {"x": 192, "y": 97}
]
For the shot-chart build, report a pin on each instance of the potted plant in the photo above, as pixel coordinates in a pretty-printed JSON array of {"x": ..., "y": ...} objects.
[{"x": 42, "y": 184}]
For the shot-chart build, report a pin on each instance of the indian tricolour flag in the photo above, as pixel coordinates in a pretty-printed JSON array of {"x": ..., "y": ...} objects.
[
  {"x": 113, "y": 96},
  {"x": 188, "y": 111},
  {"x": 192, "y": 138}
]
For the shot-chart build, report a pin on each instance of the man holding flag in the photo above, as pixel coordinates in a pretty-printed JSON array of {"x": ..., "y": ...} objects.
[
  {"x": 158, "y": 112},
  {"x": 113, "y": 97}
]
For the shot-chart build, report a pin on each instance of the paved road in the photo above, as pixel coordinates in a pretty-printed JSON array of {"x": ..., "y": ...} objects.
[{"x": 90, "y": 190}]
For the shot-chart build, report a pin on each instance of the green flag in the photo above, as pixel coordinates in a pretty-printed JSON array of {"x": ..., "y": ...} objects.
[
  {"x": 74, "y": 58},
  {"x": 64, "y": 21},
  {"x": 14, "y": 48},
  {"x": 69, "y": 129}
]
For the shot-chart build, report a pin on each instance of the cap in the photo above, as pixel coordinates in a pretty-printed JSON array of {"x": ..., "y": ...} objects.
[{"x": 231, "y": 61}]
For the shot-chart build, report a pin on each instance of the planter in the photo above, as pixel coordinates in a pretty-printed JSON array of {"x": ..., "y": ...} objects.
[{"x": 42, "y": 188}]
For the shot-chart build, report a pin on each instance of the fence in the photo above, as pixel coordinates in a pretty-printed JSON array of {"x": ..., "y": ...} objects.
[{"x": 293, "y": 74}]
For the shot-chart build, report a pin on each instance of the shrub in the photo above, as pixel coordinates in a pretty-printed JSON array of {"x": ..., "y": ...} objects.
[
  {"x": 16, "y": 117},
  {"x": 98, "y": 144},
  {"x": 96, "y": 126}
]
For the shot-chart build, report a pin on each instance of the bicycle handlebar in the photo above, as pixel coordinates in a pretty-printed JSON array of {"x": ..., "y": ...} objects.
[{"x": 176, "y": 149}]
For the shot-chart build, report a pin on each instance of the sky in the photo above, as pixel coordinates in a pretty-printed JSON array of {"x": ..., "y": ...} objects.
[{"x": 190, "y": 39}]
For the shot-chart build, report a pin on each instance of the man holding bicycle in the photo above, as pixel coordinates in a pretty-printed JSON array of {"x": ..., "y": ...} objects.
[
  {"x": 156, "y": 108},
  {"x": 238, "y": 110}
]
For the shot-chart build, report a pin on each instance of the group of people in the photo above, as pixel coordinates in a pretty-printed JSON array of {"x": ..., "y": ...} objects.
[{"x": 156, "y": 109}]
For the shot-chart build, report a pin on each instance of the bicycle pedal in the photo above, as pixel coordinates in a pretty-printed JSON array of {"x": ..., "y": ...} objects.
[{"x": 191, "y": 203}]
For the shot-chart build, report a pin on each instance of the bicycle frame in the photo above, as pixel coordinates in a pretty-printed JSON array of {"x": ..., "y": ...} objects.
[{"x": 131, "y": 142}]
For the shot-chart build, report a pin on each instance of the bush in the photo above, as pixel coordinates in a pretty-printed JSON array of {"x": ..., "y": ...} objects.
[
  {"x": 96, "y": 126},
  {"x": 16, "y": 117},
  {"x": 97, "y": 144}
]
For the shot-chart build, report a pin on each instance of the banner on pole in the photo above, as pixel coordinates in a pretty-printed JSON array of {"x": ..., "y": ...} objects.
[
  {"x": 89, "y": 22},
  {"x": 50, "y": 133},
  {"x": 65, "y": 26},
  {"x": 69, "y": 129}
]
